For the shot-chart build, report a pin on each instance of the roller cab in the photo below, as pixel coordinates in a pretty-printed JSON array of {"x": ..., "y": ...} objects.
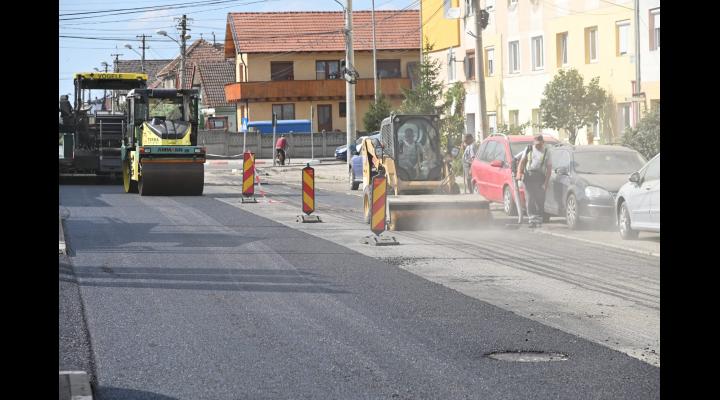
[{"x": 161, "y": 156}]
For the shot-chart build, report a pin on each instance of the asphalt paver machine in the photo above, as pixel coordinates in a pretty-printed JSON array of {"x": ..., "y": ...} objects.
[{"x": 91, "y": 132}]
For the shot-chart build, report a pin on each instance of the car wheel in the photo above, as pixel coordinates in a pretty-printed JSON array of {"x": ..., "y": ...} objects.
[
  {"x": 571, "y": 212},
  {"x": 353, "y": 184},
  {"x": 624, "y": 223},
  {"x": 508, "y": 203}
]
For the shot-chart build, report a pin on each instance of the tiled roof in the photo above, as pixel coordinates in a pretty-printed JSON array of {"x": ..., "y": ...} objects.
[
  {"x": 213, "y": 77},
  {"x": 151, "y": 67},
  {"x": 269, "y": 32},
  {"x": 199, "y": 50}
]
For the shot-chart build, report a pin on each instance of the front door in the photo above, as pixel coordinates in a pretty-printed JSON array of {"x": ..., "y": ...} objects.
[{"x": 324, "y": 112}]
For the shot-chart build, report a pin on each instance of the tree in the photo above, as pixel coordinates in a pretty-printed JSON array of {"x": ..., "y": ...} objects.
[
  {"x": 646, "y": 137},
  {"x": 377, "y": 112},
  {"x": 570, "y": 105},
  {"x": 424, "y": 97},
  {"x": 452, "y": 122}
]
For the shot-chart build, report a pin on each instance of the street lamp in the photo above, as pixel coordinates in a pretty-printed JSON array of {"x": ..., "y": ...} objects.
[{"x": 183, "y": 37}]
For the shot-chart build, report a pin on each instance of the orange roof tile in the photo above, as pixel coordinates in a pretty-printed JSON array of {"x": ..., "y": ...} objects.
[{"x": 269, "y": 32}]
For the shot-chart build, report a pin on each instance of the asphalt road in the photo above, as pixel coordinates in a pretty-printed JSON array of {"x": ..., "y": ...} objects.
[{"x": 196, "y": 298}]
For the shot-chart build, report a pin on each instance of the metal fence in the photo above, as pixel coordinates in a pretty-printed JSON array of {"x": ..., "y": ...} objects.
[{"x": 231, "y": 143}]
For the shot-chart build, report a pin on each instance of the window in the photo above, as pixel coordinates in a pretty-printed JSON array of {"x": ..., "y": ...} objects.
[
  {"x": 470, "y": 124},
  {"x": 412, "y": 73},
  {"x": 470, "y": 66},
  {"x": 281, "y": 71},
  {"x": 481, "y": 149},
  {"x": 562, "y": 49},
  {"x": 490, "y": 57},
  {"x": 451, "y": 65},
  {"x": 622, "y": 30},
  {"x": 514, "y": 117},
  {"x": 654, "y": 29},
  {"x": 324, "y": 112},
  {"x": 536, "y": 120},
  {"x": 489, "y": 153},
  {"x": 623, "y": 116},
  {"x": 537, "y": 53},
  {"x": 327, "y": 69},
  {"x": 388, "y": 69},
  {"x": 652, "y": 172},
  {"x": 560, "y": 158},
  {"x": 492, "y": 123},
  {"x": 499, "y": 152},
  {"x": 342, "y": 108},
  {"x": 469, "y": 11},
  {"x": 284, "y": 111},
  {"x": 514, "y": 57},
  {"x": 591, "y": 45}
]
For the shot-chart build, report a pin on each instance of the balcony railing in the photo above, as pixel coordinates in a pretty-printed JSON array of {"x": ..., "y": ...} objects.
[{"x": 327, "y": 89}]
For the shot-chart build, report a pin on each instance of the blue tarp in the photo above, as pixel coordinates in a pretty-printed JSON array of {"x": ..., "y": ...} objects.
[{"x": 296, "y": 126}]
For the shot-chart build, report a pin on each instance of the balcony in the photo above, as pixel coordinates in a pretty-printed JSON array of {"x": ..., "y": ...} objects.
[{"x": 328, "y": 89}]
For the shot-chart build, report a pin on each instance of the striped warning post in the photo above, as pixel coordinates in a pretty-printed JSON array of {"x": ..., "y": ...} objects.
[
  {"x": 308, "y": 190},
  {"x": 248, "y": 183},
  {"x": 379, "y": 194}
]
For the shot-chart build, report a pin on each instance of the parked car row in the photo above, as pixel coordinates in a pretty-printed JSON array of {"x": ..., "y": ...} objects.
[{"x": 594, "y": 184}]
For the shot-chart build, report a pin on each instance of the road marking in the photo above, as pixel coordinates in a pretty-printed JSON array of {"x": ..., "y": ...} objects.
[{"x": 644, "y": 252}]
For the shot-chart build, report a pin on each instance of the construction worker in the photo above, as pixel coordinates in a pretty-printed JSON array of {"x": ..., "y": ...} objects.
[
  {"x": 411, "y": 154},
  {"x": 468, "y": 156},
  {"x": 281, "y": 147},
  {"x": 534, "y": 170}
]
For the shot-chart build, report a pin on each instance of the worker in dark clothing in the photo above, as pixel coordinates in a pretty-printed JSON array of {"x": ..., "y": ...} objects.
[{"x": 534, "y": 170}]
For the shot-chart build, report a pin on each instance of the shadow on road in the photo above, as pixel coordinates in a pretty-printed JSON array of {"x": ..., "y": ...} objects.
[
  {"x": 112, "y": 393},
  {"x": 232, "y": 279}
]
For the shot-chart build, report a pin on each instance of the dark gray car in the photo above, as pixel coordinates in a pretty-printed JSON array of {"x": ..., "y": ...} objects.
[{"x": 585, "y": 181}]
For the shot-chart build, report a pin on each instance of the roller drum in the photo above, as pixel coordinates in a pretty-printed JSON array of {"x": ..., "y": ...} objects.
[{"x": 172, "y": 179}]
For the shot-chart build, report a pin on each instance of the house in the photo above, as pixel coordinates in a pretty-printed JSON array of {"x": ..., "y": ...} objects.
[
  {"x": 288, "y": 63},
  {"x": 152, "y": 67},
  {"x": 524, "y": 45},
  {"x": 207, "y": 70},
  {"x": 199, "y": 51},
  {"x": 210, "y": 77}
]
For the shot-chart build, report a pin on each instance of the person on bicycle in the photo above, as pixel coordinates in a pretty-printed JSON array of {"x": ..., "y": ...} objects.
[{"x": 281, "y": 147}]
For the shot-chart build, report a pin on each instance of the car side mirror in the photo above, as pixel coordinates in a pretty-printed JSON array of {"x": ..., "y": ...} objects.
[
  {"x": 634, "y": 177},
  {"x": 561, "y": 170},
  {"x": 496, "y": 164}
]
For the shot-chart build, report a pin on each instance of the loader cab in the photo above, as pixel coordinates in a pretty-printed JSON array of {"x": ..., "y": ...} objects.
[{"x": 413, "y": 142}]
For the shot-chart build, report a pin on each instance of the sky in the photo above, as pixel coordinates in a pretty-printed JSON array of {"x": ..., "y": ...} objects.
[{"x": 95, "y": 36}]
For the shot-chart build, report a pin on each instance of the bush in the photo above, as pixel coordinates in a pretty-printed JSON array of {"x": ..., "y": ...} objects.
[{"x": 646, "y": 137}]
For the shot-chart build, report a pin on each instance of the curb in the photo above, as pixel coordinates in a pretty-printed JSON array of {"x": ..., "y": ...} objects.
[
  {"x": 63, "y": 248},
  {"x": 75, "y": 385},
  {"x": 643, "y": 252}
]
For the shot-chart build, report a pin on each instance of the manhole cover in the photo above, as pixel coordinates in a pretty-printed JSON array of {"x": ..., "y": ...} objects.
[{"x": 527, "y": 356}]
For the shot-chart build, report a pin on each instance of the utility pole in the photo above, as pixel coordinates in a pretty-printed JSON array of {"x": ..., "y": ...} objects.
[
  {"x": 117, "y": 69},
  {"x": 142, "y": 60},
  {"x": 183, "y": 31},
  {"x": 377, "y": 94},
  {"x": 480, "y": 71},
  {"x": 638, "y": 89},
  {"x": 213, "y": 38},
  {"x": 349, "y": 87}
]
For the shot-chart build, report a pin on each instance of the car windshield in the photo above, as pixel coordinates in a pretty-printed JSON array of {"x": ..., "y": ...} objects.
[
  {"x": 516, "y": 147},
  {"x": 170, "y": 108},
  {"x": 608, "y": 162}
]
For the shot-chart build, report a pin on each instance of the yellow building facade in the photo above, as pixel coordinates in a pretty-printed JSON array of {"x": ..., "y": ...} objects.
[{"x": 525, "y": 44}]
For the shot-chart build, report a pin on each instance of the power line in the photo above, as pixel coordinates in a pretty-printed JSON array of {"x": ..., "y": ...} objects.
[
  {"x": 161, "y": 8},
  {"x": 147, "y": 8}
]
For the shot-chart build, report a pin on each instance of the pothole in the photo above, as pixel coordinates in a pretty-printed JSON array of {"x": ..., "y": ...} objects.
[{"x": 527, "y": 356}]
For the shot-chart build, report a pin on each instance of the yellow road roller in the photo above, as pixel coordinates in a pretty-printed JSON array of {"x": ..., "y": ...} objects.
[
  {"x": 159, "y": 153},
  {"x": 422, "y": 192}
]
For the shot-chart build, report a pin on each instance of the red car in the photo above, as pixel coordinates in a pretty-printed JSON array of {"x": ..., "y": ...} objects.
[{"x": 491, "y": 173}]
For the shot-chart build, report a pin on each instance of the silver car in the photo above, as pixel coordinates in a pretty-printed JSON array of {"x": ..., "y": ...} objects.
[{"x": 638, "y": 201}]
